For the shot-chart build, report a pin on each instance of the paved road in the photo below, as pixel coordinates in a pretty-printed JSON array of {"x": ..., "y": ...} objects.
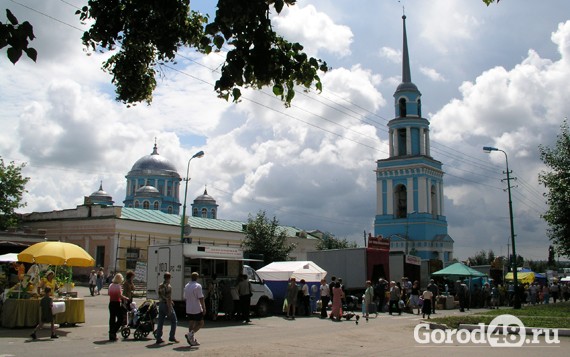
[{"x": 271, "y": 336}]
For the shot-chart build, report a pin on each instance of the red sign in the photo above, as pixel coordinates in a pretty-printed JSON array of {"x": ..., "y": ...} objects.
[{"x": 378, "y": 242}]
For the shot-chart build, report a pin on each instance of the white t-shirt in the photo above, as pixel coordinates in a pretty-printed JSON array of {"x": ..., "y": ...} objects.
[{"x": 192, "y": 294}]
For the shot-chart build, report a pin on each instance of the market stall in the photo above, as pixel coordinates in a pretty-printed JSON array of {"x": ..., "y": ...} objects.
[
  {"x": 26, "y": 312},
  {"x": 22, "y": 301}
]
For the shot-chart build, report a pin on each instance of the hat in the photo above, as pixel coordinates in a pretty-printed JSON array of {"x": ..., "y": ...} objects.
[
  {"x": 49, "y": 272},
  {"x": 195, "y": 274}
]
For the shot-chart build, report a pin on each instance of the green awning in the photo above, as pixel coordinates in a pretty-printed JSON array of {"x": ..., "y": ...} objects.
[{"x": 458, "y": 269}]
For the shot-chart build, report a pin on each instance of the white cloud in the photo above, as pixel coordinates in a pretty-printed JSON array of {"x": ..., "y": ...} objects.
[
  {"x": 314, "y": 29},
  {"x": 432, "y": 74},
  {"x": 391, "y": 54}
]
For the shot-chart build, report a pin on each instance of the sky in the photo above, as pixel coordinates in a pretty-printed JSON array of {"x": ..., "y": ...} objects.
[{"x": 494, "y": 75}]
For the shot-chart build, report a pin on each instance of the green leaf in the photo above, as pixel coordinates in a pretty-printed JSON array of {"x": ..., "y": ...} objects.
[
  {"x": 32, "y": 53},
  {"x": 278, "y": 89},
  {"x": 14, "y": 54},
  {"x": 13, "y": 20},
  {"x": 218, "y": 41},
  {"x": 279, "y": 5}
]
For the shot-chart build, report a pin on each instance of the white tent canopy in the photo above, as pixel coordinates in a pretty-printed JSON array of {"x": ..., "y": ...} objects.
[
  {"x": 9, "y": 257},
  {"x": 283, "y": 271}
]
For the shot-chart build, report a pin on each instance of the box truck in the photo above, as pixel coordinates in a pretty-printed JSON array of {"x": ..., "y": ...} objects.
[{"x": 225, "y": 262}]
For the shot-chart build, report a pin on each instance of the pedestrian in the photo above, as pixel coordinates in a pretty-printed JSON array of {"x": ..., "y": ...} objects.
[
  {"x": 291, "y": 298},
  {"x": 129, "y": 286},
  {"x": 245, "y": 293},
  {"x": 395, "y": 296},
  {"x": 554, "y": 291},
  {"x": 380, "y": 292},
  {"x": 314, "y": 289},
  {"x": 432, "y": 286},
  {"x": 306, "y": 299},
  {"x": 92, "y": 282},
  {"x": 415, "y": 297},
  {"x": 195, "y": 308},
  {"x": 426, "y": 308},
  {"x": 46, "y": 305},
  {"x": 546, "y": 293},
  {"x": 368, "y": 298},
  {"x": 100, "y": 280},
  {"x": 495, "y": 297},
  {"x": 116, "y": 311},
  {"x": 166, "y": 309},
  {"x": 325, "y": 297},
  {"x": 332, "y": 284},
  {"x": 338, "y": 296},
  {"x": 214, "y": 297},
  {"x": 462, "y": 293}
]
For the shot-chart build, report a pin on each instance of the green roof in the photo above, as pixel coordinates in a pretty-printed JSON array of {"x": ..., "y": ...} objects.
[{"x": 154, "y": 216}]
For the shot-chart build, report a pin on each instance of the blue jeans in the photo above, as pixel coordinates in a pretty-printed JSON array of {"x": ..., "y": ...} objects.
[{"x": 162, "y": 314}]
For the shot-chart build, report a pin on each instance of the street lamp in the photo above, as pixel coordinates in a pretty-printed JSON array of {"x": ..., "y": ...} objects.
[
  {"x": 199, "y": 154},
  {"x": 516, "y": 302}
]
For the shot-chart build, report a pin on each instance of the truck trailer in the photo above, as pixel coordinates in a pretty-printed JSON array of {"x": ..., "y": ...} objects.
[
  {"x": 225, "y": 262},
  {"x": 353, "y": 265}
]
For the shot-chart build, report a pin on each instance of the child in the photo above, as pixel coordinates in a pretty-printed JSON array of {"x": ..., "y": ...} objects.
[{"x": 46, "y": 304}]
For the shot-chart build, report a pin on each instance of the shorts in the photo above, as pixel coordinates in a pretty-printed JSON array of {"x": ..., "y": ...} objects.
[{"x": 196, "y": 317}]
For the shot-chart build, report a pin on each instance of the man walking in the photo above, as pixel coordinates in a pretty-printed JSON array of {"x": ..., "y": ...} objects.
[
  {"x": 325, "y": 298},
  {"x": 166, "y": 309},
  {"x": 195, "y": 308},
  {"x": 245, "y": 292},
  {"x": 432, "y": 286}
]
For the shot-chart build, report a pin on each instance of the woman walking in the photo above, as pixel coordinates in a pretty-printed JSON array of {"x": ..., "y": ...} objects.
[
  {"x": 338, "y": 295},
  {"x": 116, "y": 312}
]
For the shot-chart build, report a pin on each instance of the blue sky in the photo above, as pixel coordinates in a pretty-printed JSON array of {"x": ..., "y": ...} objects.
[{"x": 492, "y": 75}]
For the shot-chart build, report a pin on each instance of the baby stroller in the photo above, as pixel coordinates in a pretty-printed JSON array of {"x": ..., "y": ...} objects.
[{"x": 141, "y": 319}]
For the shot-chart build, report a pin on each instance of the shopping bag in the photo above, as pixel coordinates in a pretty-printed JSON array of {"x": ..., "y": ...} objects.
[{"x": 285, "y": 306}]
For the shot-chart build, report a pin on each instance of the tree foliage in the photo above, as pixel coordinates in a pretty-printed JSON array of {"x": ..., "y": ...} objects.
[
  {"x": 263, "y": 236},
  {"x": 16, "y": 36},
  {"x": 482, "y": 258},
  {"x": 329, "y": 241},
  {"x": 557, "y": 182},
  {"x": 148, "y": 33},
  {"x": 12, "y": 187}
]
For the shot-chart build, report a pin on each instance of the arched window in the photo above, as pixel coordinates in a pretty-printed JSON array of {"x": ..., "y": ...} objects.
[
  {"x": 156, "y": 205},
  {"x": 213, "y": 213},
  {"x": 137, "y": 205},
  {"x": 434, "y": 201},
  {"x": 204, "y": 213},
  {"x": 146, "y": 205},
  {"x": 401, "y": 201},
  {"x": 170, "y": 209},
  {"x": 402, "y": 106},
  {"x": 195, "y": 212}
]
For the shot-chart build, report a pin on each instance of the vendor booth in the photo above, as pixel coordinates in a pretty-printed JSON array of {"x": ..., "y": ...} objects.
[
  {"x": 277, "y": 274},
  {"x": 21, "y": 307},
  {"x": 458, "y": 271}
]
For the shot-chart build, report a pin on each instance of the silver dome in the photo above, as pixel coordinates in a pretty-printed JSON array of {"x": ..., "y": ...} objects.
[{"x": 153, "y": 164}]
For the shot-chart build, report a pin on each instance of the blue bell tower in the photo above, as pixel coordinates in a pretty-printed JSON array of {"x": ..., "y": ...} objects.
[{"x": 409, "y": 183}]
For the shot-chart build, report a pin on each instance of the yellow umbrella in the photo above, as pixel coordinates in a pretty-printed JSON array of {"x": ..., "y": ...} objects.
[{"x": 56, "y": 253}]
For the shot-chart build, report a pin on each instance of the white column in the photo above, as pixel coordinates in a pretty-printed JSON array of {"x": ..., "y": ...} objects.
[
  {"x": 429, "y": 203},
  {"x": 389, "y": 197},
  {"x": 379, "y": 198},
  {"x": 408, "y": 140},
  {"x": 410, "y": 191},
  {"x": 390, "y": 143},
  {"x": 427, "y": 143},
  {"x": 395, "y": 141},
  {"x": 422, "y": 195},
  {"x": 440, "y": 194}
]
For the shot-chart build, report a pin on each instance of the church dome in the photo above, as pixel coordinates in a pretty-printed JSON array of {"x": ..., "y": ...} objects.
[
  {"x": 153, "y": 164},
  {"x": 100, "y": 193},
  {"x": 205, "y": 197}
]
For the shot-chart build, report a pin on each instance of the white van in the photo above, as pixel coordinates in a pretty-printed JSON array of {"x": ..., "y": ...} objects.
[{"x": 225, "y": 262}]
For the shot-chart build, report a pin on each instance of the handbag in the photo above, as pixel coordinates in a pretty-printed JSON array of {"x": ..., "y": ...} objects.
[{"x": 401, "y": 304}]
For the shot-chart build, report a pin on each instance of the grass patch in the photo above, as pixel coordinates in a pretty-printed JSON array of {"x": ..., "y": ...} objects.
[{"x": 548, "y": 316}]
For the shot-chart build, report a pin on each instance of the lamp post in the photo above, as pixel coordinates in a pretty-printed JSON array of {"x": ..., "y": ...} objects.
[
  {"x": 516, "y": 302},
  {"x": 199, "y": 154}
]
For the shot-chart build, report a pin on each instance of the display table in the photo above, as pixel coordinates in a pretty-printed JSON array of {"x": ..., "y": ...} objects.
[
  {"x": 446, "y": 302},
  {"x": 26, "y": 312}
]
